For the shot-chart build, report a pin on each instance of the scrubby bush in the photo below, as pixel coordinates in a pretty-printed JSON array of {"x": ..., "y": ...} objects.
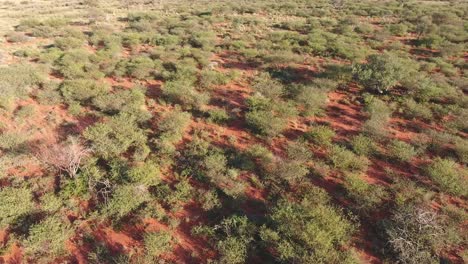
[
  {"x": 116, "y": 136},
  {"x": 294, "y": 167},
  {"x": 67, "y": 43},
  {"x": 321, "y": 135},
  {"x": 157, "y": 243},
  {"x": 363, "y": 146},
  {"x": 211, "y": 78},
  {"x": 147, "y": 173},
  {"x": 49, "y": 94},
  {"x": 416, "y": 110},
  {"x": 16, "y": 203},
  {"x": 398, "y": 29},
  {"x": 74, "y": 64},
  {"x": 401, "y": 151},
  {"x": 268, "y": 87},
  {"x": 308, "y": 230},
  {"x": 83, "y": 90},
  {"x": 449, "y": 176},
  {"x": 345, "y": 160},
  {"x": 265, "y": 122},
  {"x": 413, "y": 233},
  {"x": 380, "y": 113},
  {"x": 47, "y": 239},
  {"x": 17, "y": 81},
  {"x": 15, "y": 37},
  {"x": 218, "y": 116},
  {"x": 382, "y": 72},
  {"x": 181, "y": 92},
  {"x": 131, "y": 102},
  {"x": 140, "y": 67},
  {"x": 366, "y": 197},
  {"x": 125, "y": 200},
  {"x": 171, "y": 129}
]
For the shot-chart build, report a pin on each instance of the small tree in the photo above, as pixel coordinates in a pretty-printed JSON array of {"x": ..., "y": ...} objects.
[
  {"x": 65, "y": 156},
  {"x": 381, "y": 72}
]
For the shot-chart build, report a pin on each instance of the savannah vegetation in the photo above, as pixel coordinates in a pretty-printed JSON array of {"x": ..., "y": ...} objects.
[{"x": 321, "y": 131}]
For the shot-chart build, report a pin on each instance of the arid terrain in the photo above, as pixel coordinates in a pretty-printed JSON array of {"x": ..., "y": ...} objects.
[{"x": 296, "y": 131}]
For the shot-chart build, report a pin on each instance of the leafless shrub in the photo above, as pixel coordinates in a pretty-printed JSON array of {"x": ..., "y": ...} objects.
[
  {"x": 413, "y": 234},
  {"x": 65, "y": 156}
]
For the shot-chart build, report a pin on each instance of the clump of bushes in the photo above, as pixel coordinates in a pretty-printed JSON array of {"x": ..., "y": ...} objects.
[
  {"x": 17, "y": 203},
  {"x": 183, "y": 93},
  {"x": 363, "y": 145},
  {"x": 218, "y": 116},
  {"x": 83, "y": 90},
  {"x": 157, "y": 243},
  {"x": 449, "y": 176},
  {"x": 382, "y": 72},
  {"x": 345, "y": 160},
  {"x": 321, "y": 135},
  {"x": 171, "y": 129},
  {"x": 116, "y": 136},
  {"x": 380, "y": 114},
  {"x": 123, "y": 101},
  {"x": 126, "y": 199},
  {"x": 47, "y": 239},
  {"x": 308, "y": 230},
  {"x": 366, "y": 197},
  {"x": 413, "y": 234},
  {"x": 401, "y": 151},
  {"x": 414, "y": 109}
]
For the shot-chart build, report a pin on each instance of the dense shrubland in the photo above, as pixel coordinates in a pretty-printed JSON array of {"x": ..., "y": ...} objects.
[{"x": 260, "y": 132}]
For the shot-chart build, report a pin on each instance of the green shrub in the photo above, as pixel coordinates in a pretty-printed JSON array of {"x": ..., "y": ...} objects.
[
  {"x": 157, "y": 243},
  {"x": 125, "y": 200},
  {"x": 268, "y": 87},
  {"x": 461, "y": 150},
  {"x": 49, "y": 94},
  {"x": 363, "y": 146},
  {"x": 448, "y": 176},
  {"x": 181, "y": 92},
  {"x": 140, "y": 67},
  {"x": 346, "y": 160},
  {"x": 234, "y": 237},
  {"x": 380, "y": 114},
  {"x": 401, "y": 151},
  {"x": 17, "y": 81},
  {"x": 294, "y": 167},
  {"x": 366, "y": 197},
  {"x": 265, "y": 122},
  {"x": 308, "y": 231},
  {"x": 47, "y": 239},
  {"x": 218, "y": 116},
  {"x": 131, "y": 102},
  {"x": 210, "y": 200},
  {"x": 13, "y": 140},
  {"x": 83, "y": 90},
  {"x": 68, "y": 43},
  {"x": 398, "y": 29},
  {"x": 171, "y": 129},
  {"x": 116, "y": 136},
  {"x": 147, "y": 173},
  {"x": 416, "y": 110},
  {"x": 209, "y": 79},
  {"x": 16, "y": 203},
  {"x": 382, "y": 72},
  {"x": 321, "y": 135},
  {"x": 75, "y": 64}
]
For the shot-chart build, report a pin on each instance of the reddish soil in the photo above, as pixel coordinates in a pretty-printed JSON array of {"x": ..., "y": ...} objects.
[{"x": 14, "y": 256}]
